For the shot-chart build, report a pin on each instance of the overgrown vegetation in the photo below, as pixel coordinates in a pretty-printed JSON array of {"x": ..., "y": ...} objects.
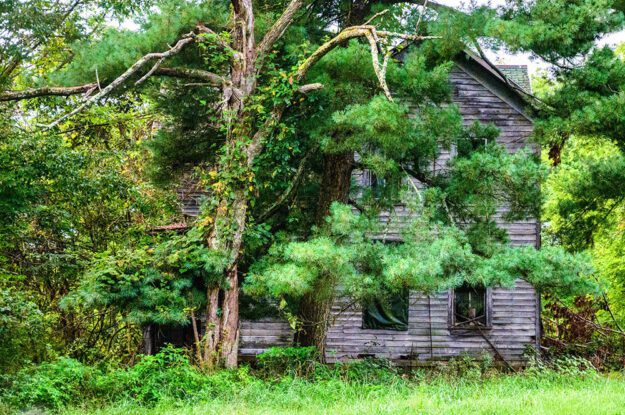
[
  {"x": 289, "y": 380},
  {"x": 269, "y": 110}
]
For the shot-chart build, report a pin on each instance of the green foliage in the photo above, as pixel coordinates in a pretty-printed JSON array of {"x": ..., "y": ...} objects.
[
  {"x": 117, "y": 50},
  {"x": 167, "y": 375},
  {"x": 53, "y": 385},
  {"x": 431, "y": 258},
  {"x": 62, "y": 203},
  {"x": 153, "y": 284},
  {"x": 584, "y": 210},
  {"x": 555, "y": 29},
  {"x": 22, "y": 330},
  {"x": 469, "y": 367},
  {"x": 167, "y": 382},
  {"x": 288, "y": 361}
]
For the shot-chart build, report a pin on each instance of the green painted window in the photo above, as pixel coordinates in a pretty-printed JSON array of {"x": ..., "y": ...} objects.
[{"x": 389, "y": 313}]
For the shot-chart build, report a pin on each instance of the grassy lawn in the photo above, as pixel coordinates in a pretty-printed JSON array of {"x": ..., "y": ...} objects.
[{"x": 500, "y": 395}]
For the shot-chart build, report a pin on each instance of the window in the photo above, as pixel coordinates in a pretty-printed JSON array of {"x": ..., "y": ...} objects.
[
  {"x": 470, "y": 307},
  {"x": 383, "y": 188},
  {"x": 390, "y": 313}
]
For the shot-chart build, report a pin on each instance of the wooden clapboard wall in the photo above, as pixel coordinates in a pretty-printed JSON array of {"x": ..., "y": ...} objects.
[{"x": 483, "y": 96}]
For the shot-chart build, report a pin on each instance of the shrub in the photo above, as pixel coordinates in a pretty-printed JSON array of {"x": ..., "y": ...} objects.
[
  {"x": 469, "y": 367},
  {"x": 22, "y": 330},
  {"x": 168, "y": 374},
  {"x": 369, "y": 371},
  {"x": 288, "y": 361},
  {"x": 563, "y": 366},
  {"x": 68, "y": 382},
  {"x": 51, "y": 385}
]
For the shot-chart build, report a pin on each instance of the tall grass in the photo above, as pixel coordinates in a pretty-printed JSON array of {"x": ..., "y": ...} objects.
[
  {"x": 517, "y": 394},
  {"x": 291, "y": 382}
]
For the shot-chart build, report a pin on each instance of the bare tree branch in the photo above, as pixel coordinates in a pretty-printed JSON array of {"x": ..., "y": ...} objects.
[
  {"x": 198, "y": 74},
  {"x": 150, "y": 72},
  {"x": 123, "y": 77},
  {"x": 46, "y": 91},
  {"x": 375, "y": 16},
  {"x": 290, "y": 190},
  {"x": 345, "y": 35},
  {"x": 421, "y": 14},
  {"x": 279, "y": 27},
  {"x": 380, "y": 71},
  {"x": 304, "y": 89}
]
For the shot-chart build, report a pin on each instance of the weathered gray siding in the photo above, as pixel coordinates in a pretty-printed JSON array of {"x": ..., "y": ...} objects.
[
  {"x": 258, "y": 335},
  {"x": 429, "y": 336},
  {"x": 514, "y": 314}
]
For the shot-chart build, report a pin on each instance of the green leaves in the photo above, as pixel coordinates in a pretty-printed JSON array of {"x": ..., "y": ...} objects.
[
  {"x": 431, "y": 259},
  {"x": 153, "y": 284}
]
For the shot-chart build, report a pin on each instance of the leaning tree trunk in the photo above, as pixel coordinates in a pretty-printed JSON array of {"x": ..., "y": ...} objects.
[{"x": 315, "y": 307}]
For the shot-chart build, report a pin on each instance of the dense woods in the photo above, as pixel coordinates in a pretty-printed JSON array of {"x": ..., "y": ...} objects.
[{"x": 115, "y": 111}]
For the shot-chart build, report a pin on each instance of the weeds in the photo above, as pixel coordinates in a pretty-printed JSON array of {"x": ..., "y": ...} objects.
[{"x": 290, "y": 375}]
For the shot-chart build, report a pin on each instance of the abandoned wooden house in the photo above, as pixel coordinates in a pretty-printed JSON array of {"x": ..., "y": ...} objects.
[{"x": 421, "y": 329}]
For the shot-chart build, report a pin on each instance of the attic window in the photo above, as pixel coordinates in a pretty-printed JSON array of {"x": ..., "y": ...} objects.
[
  {"x": 390, "y": 313},
  {"x": 470, "y": 307}
]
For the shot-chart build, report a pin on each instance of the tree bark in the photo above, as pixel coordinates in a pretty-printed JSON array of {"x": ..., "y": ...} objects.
[
  {"x": 314, "y": 314},
  {"x": 315, "y": 307},
  {"x": 335, "y": 183}
]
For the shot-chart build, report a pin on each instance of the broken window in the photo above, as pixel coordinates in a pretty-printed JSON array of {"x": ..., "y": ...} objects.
[
  {"x": 470, "y": 307},
  {"x": 389, "y": 313}
]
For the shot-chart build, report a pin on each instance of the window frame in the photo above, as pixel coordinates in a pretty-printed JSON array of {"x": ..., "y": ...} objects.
[
  {"x": 363, "y": 311},
  {"x": 488, "y": 311}
]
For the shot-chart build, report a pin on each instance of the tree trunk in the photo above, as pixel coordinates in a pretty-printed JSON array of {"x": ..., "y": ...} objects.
[
  {"x": 230, "y": 322},
  {"x": 314, "y": 314},
  {"x": 335, "y": 184},
  {"x": 315, "y": 307}
]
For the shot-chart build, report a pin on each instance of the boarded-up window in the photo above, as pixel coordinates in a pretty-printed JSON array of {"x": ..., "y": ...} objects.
[
  {"x": 470, "y": 307},
  {"x": 390, "y": 313}
]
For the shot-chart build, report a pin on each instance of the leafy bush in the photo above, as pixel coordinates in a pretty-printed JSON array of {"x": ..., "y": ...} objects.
[
  {"x": 22, "y": 330},
  {"x": 563, "y": 366},
  {"x": 469, "y": 367},
  {"x": 167, "y": 375},
  {"x": 369, "y": 371},
  {"x": 51, "y": 385},
  {"x": 290, "y": 361}
]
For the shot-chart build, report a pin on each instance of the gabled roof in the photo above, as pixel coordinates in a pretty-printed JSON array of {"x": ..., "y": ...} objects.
[{"x": 511, "y": 83}]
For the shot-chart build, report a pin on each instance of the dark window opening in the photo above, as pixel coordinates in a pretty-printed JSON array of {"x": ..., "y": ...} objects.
[
  {"x": 384, "y": 188},
  {"x": 470, "y": 307},
  {"x": 390, "y": 313}
]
